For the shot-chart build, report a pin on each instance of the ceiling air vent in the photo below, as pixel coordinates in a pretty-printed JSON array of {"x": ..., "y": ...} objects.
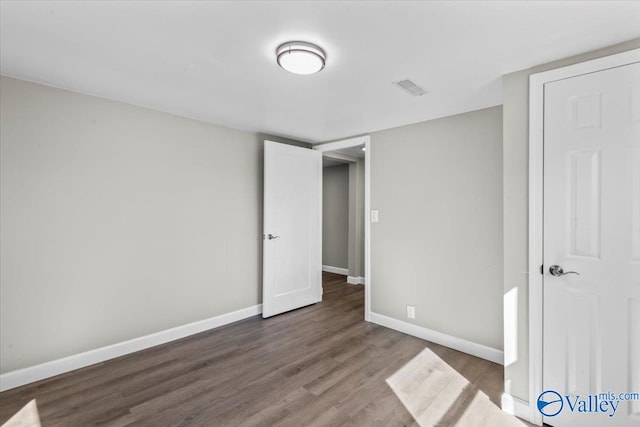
[{"x": 410, "y": 87}]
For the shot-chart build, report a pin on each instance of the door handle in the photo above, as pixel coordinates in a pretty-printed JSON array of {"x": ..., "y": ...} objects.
[
  {"x": 556, "y": 270},
  {"x": 271, "y": 236}
]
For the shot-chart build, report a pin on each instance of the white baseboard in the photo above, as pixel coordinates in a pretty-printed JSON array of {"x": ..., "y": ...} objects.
[
  {"x": 336, "y": 270},
  {"x": 515, "y": 406},
  {"x": 31, "y": 374},
  {"x": 474, "y": 349},
  {"x": 355, "y": 280}
]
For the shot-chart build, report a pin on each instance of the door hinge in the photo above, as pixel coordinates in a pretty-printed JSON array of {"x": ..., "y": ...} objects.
[{"x": 542, "y": 269}]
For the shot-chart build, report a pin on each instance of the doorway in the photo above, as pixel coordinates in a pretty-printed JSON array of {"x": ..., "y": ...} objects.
[
  {"x": 353, "y": 156},
  {"x": 335, "y": 216},
  {"x": 343, "y": 213}
]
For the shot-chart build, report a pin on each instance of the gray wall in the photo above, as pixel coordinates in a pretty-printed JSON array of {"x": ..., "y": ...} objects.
[
  {"x": 356, "y": 218},
  {"x": 335, "y": 216},
  {"x": 516, "y": 203},
  {"x": 438, "y": 244},
  {"x": 118, "y": 221}
]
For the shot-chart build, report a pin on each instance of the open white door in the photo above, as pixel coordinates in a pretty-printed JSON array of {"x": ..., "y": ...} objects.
[
  {"x": 591, "y": 334},
  {"x": 292, "y": 241}
]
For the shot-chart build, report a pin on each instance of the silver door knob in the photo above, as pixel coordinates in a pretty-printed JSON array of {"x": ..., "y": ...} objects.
[
  {"x": 271, "y": 237},
  {"x": 556, "y": 270}
]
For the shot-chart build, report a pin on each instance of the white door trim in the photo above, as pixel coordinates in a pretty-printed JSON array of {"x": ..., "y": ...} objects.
[
  {"x": 354, "y": 142},
  {"x": 343, "y": 143},
  {"x": 536, "y": 141}
]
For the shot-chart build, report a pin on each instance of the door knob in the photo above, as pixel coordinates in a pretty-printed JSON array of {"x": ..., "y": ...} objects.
[
  {"x": 556, "y": 270},
  {"x": 271, "y": 236}
]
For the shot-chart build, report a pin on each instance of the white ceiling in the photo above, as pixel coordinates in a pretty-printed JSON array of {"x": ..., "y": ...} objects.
[{"x": 215, "y": 61}]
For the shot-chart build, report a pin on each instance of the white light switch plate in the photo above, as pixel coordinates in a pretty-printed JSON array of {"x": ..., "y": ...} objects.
[{"x": 374, "y": 215}]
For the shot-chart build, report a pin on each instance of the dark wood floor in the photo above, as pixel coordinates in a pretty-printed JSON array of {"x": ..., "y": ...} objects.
[{"x": 319, "y": 365}]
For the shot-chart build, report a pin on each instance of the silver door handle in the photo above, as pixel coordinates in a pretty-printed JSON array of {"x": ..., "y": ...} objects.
[
  {"x": 556, "y": 270},
  {"x": 271, "y": 237}
]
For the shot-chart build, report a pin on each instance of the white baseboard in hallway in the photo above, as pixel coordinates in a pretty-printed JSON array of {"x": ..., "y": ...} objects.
[
  {"x": 336, "y": 270},
  {"x": 45, "y": 370},
  {"x": 355, "y": 280}
]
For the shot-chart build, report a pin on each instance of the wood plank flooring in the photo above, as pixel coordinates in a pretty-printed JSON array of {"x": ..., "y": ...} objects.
[{"x": 319, "y": 365}]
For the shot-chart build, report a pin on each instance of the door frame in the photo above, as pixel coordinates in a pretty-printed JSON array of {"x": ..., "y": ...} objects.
[
  {"x": 536, "y": 226},
  {"x": 354, "y": 142}
]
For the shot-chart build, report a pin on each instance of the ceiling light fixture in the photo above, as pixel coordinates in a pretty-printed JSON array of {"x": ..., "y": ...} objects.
[{"x": 300, "y": 57}]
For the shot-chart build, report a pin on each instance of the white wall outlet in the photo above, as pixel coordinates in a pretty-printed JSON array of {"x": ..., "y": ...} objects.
[
  {"x": 411, "y": 312},
  {"x": 374, "y": 215}
]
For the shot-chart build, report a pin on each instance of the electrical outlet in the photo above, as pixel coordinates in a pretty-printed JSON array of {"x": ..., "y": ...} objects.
[{"x": 411, "y": 312}]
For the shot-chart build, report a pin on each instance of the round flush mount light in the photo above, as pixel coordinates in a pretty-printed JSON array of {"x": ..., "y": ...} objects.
[{"x": 300, "y": 57}]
